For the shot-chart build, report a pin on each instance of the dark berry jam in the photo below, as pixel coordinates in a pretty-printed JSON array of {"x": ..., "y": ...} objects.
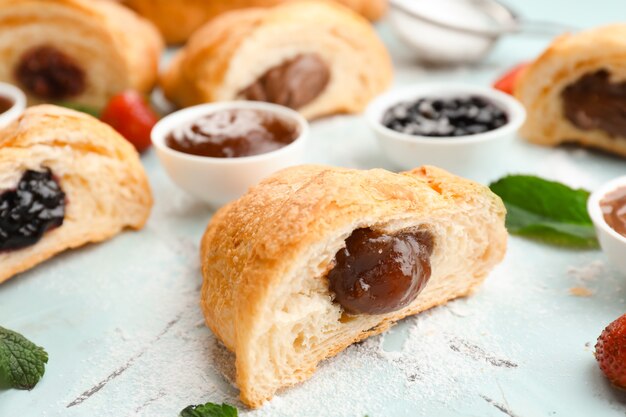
[
  {"x": 34, "y": 207},
  {"x": 445, "y": 117},
  {"x": 379, "y": 273},
  {"x": 50, "y": 74}
]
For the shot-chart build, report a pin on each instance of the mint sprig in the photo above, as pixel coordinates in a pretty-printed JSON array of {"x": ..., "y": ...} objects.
[
  {"x": 209, "y": 410},
  {"x": 547, "y": 211},
  {"x": 22, "y": 363}
]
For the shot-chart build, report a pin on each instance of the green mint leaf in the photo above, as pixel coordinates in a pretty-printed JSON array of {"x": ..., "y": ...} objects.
[
  {"x": 546, "y": 210},
  {"x": 22, "y": 363},
  {"x": 209, "y": 410},
  {"x": 92, "y": 111}
]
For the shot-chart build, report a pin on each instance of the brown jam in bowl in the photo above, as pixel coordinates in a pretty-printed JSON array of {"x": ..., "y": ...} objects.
[
  {"x": 378, "y": 273},
  {"x": 234, "y": 133},
  {"x": 5, "y": 104},
  {"x": 613, "y": 207},
  {"x": 50, "y": 74}
]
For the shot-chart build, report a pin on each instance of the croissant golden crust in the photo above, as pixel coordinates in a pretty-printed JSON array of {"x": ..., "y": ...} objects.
[
  {"x": 100, "y": 172},
  {"x": 234, "y": 50},
  {"x": 265, "y": 256},
  {"x": 178, "y": 20},
  {"x": 115, "y": 48},
  {"x": 568, "y": 59}
]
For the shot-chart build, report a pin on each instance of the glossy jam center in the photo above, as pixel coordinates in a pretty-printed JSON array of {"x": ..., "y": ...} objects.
[
  {"x": 49, "y": 74},
  {"x": 379, "y": 273},
  {"x": 594, "y": 102},
  {"x": 34, "y": 207},
  {"x": 614, "y": 209},
  {"x": 5, "y": 104},
  {"x": 233, "y": 134},
  {"x": 294, "y": 84}
]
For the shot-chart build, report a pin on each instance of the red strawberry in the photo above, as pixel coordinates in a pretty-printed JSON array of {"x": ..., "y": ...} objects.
[
  {"x": 507, "y": 82},
  {"x": 611, "y": 352},
  {"x": 130, "y": 114}
]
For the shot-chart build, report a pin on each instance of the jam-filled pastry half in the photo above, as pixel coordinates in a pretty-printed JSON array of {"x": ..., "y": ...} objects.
[
  {"x": 319, "y": 58},
  {"x": 177, "y": 20},
  {"x": 317, "y": 258},
  {"x": 78, "y": 51},
  {"x": 66, "y": 179},
  {"x": 576, "y": 91}
]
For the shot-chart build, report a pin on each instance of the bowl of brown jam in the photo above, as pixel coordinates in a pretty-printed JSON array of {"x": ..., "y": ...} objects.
[
  {"x": 12, "y": 103},
  {"x": 217, "y": 151},
  {"x": 607, "y": 208}
]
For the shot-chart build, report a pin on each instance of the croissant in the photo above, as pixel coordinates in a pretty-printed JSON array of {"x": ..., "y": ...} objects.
[
  {"x": 66, "y": 179},
  {"x": 319, "y": 58},
  {"x": 576, "y": 91},
  {"x": 316, "y": 258},
  {"x": 177, "y": 20},
  {"x": 81, "y": 51}
]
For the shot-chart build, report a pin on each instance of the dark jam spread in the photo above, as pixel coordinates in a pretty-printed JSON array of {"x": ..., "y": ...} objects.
[
  {"x": 378, "y": 273},
  {"x": 34, "y": 207},
  {"x": 445, "y": 117},
  {"x": 614, "y": 209},
  {"x": 233, "y": 134},
  {"x": 594, "y": 102},
  {"x": 49, "y": 74},
  {"x": 294, "y": 84},
  {"x": 5, "y": 104}
]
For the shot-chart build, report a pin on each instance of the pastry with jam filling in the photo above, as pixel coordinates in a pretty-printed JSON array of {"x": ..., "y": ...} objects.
[
  {"x": 66, "y": 179},
  {"x": 316, "y": 57},
  {"x": 78, "y": 51},
  {"x": 316, "y": 258},
  {"x": 576, "y": 91}
]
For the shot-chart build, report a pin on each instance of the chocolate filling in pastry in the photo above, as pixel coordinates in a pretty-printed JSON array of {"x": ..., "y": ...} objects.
[
  {"x": 594, "y": 102},
  {"x": 49, "y": 74},
  {"x": 294, "y": 84},
  {"x": 379, "y": 273},
  {"x": 34, "y": 207}
]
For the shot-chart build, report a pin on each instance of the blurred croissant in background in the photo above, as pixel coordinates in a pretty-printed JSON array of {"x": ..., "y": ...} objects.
[{"x": 177, "y": 20}]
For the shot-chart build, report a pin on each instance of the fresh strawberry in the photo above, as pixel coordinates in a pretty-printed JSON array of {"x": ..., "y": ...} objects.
[
  {"x": 506, "y": 83},
  {"x": 611, "y": 352},
  {"x": 130, "y": 114}
]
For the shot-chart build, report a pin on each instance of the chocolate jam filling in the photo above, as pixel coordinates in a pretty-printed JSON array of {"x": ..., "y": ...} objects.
[
  {"x": 49, "y": 74},
  {"x": 594, "y": 102},
  {"x": 294, "y": 84},
  {"x": 5, "y": 104},
  {"x": 34, "y": 207},
  {"x": 233, "y": 134},
  {"x": 379, "y": 273},
  {"x": 614, "y": 210}
]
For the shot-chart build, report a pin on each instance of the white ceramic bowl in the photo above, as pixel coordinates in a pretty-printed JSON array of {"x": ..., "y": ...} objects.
[
  {"x": 220, "y": 180},
  {"x": 613, "y": 244},
  {"x": 19, "y": 103},
  {"x": 465, "y": 155}
]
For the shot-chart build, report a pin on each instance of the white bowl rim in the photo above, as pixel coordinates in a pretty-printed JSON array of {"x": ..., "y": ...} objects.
[
  {"x": 19, "y": 101},
  {"x": 595, "y": 212},
  {"x": 513, "y": 108},
  {"x": 180, "y": 117}
]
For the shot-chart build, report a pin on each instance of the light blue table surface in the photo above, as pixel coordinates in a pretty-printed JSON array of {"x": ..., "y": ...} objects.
[{"x": 121, "y": 321}]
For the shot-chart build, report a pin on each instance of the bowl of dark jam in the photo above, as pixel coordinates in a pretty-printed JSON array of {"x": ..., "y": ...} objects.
[
  {"x": 607, "y": 208},
  {"x": 12, "y": 103},
  {"x": 458, "y": 127},
  {"x": 217, "y": 151}
]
